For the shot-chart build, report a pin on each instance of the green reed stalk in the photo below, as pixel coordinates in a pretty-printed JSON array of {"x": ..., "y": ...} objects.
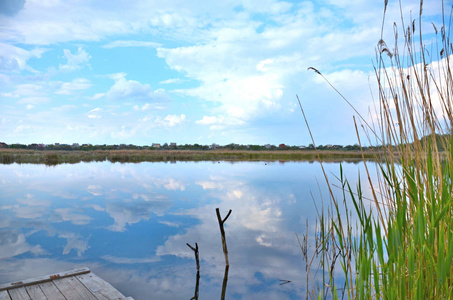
[{"x": 402, "y": 248}]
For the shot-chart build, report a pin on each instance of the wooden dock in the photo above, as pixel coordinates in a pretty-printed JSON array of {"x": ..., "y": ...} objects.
[{"x": 72, "y": 285}]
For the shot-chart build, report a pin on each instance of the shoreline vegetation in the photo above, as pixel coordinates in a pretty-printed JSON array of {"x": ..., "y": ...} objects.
[
  {"x": 54, "y": 157},
  {"x": 396, "y": 243}
]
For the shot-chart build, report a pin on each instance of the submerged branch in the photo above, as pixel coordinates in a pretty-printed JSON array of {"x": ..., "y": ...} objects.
[
  {"x": 222, "y": 233},
  {"x": 197, "y": 260}
]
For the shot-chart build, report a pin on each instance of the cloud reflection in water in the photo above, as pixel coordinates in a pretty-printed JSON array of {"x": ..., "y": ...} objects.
[{"x": 130, "y": 224}]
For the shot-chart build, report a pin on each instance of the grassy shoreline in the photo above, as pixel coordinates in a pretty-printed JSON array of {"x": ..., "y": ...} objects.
[{"x": 54, "y": 157}]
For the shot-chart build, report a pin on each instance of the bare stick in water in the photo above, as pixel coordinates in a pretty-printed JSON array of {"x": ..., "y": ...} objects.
[
  {"x": 197, "y": 260},
  {"x": 225, "y": 250},
  {"x": 222, "y": 233},
  {"x": 225, "y": 281}
]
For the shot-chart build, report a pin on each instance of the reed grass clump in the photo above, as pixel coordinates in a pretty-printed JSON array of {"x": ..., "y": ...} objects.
[{"x": 401, "y": 247}]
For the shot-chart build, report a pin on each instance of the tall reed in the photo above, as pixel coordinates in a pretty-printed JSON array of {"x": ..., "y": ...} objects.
[{"x": 403, "y": 247}]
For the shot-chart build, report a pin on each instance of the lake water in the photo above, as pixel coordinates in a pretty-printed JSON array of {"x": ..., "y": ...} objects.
[{"x": 129, "y": 223}]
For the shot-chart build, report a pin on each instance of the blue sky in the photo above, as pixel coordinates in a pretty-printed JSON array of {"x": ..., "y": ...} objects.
[{"x": 228, "y": 71}]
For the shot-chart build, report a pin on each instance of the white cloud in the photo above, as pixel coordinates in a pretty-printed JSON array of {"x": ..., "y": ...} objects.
[
  {"x": 96, "y": 207},
  {"x": 34, "y": 100},
  {"x": 437, "y": 95},
  {"x": 246, "y": 84},
  {"x": 209, "y": 185},
  {"x": 74, "y": 242},
  {"x": 171, "y": 120},
  {"x": 30, "y": 200},
  {"x": 95, "y": 190},
  {"x": 209, "y": 120},
  {"x": 170, "y": 184},
  {"x": 349, "y": 81},
  {"x": 241, "y": 62},
  {"x": 146, "y": 106},
  {"x": 61, "y": 21},
  {"x": 116, "y": 44},
  {"x": 13, "y": 243},
  {"x": 94, "y": 113},
  {"x": 128, "y": 213},
  {"x": 43, "y": 23},
  {"x": 125, "y": 132},
  {"x": 124, "y": 90},
  {"x": 97, "y": 96},
  {"x": 172, "y": 81},
  {"x": 246, "y": 68},
  {"x": 267, "y": 6},
  {"x": 15, "y": 59},
  {"x": 128, "y": 260},
  {"x": 75, "y": 61},
  {"x": 67, "y": 214},
  {"x": 22, "y": 128},
  {"x": 69, "y": 88},
  {"x": 261, "y": 241},
  {"x": 29, "y": 89},
  {"x": 30, "y": 212},
  {"x": 258, "y": 221},
  {"x": 220, "y": 122}
]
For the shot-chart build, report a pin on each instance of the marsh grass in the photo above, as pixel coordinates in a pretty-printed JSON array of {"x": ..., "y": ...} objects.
[{"x": 402, "y": 248}]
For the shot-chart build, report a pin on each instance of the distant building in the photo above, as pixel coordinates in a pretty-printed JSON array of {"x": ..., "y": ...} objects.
[
  {"x": 268, "y": 146},
  {"x": 172, "y": 145},
  {"x": 155, "y": 145},
  {"x": 3, "y": 145},
  {"x": 282, "y": 146},
  {"x": 214, "y": 146}
]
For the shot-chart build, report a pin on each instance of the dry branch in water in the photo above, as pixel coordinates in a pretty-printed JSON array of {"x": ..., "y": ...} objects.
[
  {"x": 222, "y": 233},
  {"x": 225, "y": 250},
  {"x": 197, "y": 260}
]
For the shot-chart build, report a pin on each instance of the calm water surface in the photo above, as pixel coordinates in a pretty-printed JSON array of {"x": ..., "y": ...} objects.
[{"x": 129, "y": 223}]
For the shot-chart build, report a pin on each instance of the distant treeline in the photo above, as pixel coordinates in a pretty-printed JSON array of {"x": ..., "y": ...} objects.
[{"x": 174, "y": 146}]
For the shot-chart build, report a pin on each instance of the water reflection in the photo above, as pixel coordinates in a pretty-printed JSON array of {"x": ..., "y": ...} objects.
[{"x": 130, "y": 224}]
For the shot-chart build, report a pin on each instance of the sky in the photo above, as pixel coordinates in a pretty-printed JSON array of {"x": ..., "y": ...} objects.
[{"x": 227, "y": 71}]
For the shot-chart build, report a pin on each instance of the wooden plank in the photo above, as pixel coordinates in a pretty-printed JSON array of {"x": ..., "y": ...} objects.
[
  {"x": 4, "y": 295},
  {"x": 73, "y": 272},
  {"x": 6, "y": 286},
  {"x": 19, "y": 294},
  {"x": 72, "y": 289},
  {"x": 100, "y": 288},
  {"x": 35, "y": 292},
  {"x": 50, "y": 290},
  {"x": 70, "y": 285},
  {"x": 44, "y": 278}
]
